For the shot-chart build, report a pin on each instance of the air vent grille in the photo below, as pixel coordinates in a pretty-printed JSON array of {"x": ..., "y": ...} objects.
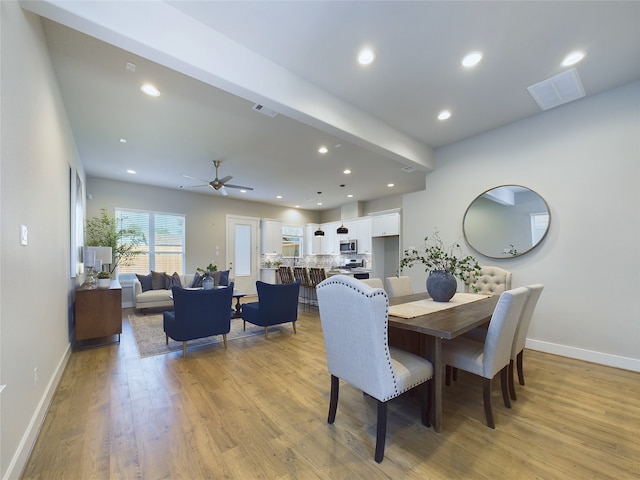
[{"x": 562, "y": 88}]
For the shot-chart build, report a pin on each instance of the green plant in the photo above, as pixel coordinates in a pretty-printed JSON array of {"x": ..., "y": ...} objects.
[
  {"x": 212, "y": 267},
  {"x": 104, "y": 231},
  {"x": 103, "y": 274},
  {"x": 434, "y": 256}
]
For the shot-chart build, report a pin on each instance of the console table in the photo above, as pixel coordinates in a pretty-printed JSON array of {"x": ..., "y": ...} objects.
[{"x": 98, "y": 312}]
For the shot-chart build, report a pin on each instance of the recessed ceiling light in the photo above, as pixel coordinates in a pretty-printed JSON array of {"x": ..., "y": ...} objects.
[
  {"x": 350, "y": 195},
  {"x": 319, "y": 203},
  {"x": 243, "y": 191},
  {"x": 132, "y": 172},
  {"x": 444, "y": 115},
  {"x": 150, "y": 90},
  {"x": 390, "y": 185},
  {"x": 123, "y": 140},
  {"x": 573, "y": 58},
  {"x": 471, "y": 59},
  {"x": 347, "y": 171},
  {"x": 366, "y": 56},
  {"x": 296, "y": 206},
  {"x": 323, "y": 150},
  {"x": 278, "y": 196}
]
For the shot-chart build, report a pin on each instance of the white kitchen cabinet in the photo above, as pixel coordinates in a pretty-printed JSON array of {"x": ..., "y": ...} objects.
[
  {"x": 363, "y": 234},
  {"x": 271, "y": 236},
  {"x": 312, "y": 244},
  {"x": 331, "y": 240},
  {"x": 385, "y": 225}
]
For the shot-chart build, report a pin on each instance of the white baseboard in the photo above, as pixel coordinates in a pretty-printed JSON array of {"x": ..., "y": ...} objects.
[
  {"x": 617, "y": 361},
  {"x": 19, "y": 460}
]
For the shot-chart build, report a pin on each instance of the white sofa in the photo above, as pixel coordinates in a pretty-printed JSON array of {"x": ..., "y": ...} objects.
[{"x": 158, "y": 298}]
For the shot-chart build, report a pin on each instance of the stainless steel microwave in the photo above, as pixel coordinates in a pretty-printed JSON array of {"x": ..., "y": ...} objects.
[{"x": 348, "y": 246}]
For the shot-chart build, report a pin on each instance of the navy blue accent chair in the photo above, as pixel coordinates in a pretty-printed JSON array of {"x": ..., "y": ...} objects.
[
  {"x": 198, "y": 314},
  {"x": 277, "y": 303}
]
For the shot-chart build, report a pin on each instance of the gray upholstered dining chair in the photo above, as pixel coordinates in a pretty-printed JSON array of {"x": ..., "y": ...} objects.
[
  {"x": 492, "y": 280},
  {"x": 399, "y": 286},
  {"x": 373, "y": 282},
  {"x": 355, "y": 329},
  {"x": 517, "y": 349},
  {"x": 493, "y": 355}
]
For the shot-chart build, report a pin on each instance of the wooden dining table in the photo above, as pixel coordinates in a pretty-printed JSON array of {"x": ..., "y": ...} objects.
[{"x": 424, "y": 335}]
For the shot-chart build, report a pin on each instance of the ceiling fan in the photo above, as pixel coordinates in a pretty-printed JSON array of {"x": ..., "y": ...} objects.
[{"x": 217, "y": 184}]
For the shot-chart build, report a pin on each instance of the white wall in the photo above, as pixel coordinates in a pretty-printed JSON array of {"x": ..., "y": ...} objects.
[
  {"x": 205, "y": 214},
  {"x": 584, "y": 160},
  {"x": 37, "y": 152}
]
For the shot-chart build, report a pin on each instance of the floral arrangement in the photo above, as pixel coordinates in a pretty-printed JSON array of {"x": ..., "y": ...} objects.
[{"x": 435, "y": 256}]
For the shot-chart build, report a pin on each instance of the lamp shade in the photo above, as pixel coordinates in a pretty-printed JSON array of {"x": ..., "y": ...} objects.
[
  {"x": 319, "y": 232},
  {"x": 342, "y": 230},
  {"x": 102, "y": 253}
]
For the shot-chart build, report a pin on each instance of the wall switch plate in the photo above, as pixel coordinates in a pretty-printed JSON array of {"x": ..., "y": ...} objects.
[{"x": 24, "y": 233}]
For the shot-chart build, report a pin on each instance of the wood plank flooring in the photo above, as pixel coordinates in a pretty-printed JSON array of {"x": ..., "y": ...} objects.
[{"x": 258, "y": 410}]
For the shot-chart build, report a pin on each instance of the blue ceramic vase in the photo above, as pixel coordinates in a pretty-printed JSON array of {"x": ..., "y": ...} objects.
[{"x": 441, "y": 285}]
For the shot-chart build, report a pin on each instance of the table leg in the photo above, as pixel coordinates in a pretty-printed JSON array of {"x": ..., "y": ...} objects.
[
  {"x": 238, "y": 308},
  {"x": 436, "y": 391}
]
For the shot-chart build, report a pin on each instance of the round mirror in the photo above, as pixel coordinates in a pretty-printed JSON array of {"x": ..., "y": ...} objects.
[{"x": 506, "y": 221}]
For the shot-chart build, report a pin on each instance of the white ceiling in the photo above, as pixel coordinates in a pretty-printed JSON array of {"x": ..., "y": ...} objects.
[{"x": 299, "y": 59}]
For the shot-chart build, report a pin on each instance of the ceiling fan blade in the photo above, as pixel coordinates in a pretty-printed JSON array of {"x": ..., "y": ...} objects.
[
  {"x": 194, "y": 186},
  {"x": 237, "y": 186},
  {"x": 223, "y": 191},
  {"x": 196, "y": 178},
  {"x": 225, "y": 179}
]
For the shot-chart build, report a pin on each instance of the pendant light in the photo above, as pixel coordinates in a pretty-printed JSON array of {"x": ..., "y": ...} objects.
[
  {"x": 342, "y": 230},
  {"x": 319, "y": 232}
]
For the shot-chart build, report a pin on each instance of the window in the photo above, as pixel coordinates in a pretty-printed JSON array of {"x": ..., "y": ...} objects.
[
  {"x": 292, "y": 241},
  {"x": 162, "y": 247}
]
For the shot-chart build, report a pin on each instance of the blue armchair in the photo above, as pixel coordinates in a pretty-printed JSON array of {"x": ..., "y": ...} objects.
[
  {"x": 198, "y": 314},
  {"x": 276, "y": 304}
]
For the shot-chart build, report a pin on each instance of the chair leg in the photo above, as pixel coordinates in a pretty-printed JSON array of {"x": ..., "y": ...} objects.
[
  {"x": 447, "y": 375},
  {"x": 381, "y": 431},
  {"x": 424, "y": 394},
  {"x": 486, "y": 393},
  {"x": 266, "y": 334},
  {"x": 333, "y": 402},
  {"x": 244, "y": 325},
  {"x": 224, "y": 339},
  {"x": 166, "y": 339},
  {"x": 512, "y": 387},
  {"x": 520, "y": 369},
  {"x": 504, "y": 384},
  {"x": 294, "y": 327},
  {"x": 184, "y": 349}
]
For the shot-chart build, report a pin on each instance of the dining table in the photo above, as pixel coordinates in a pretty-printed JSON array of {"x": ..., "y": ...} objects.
[{"x": 426, "y": 329}]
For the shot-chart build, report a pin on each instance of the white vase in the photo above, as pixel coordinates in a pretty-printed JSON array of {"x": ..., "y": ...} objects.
[{"x": 104, "y": 282}]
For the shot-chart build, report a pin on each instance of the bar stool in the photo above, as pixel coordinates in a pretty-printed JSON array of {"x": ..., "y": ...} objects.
[
  {"x": 316, "y": 275},
  {"x": 301, "y": 273},
  {"x": 286, "y": 274}
]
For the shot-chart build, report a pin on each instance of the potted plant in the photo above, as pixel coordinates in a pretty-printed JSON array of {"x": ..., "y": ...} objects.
[
  {"x": 207, "y": 281},
  {"x": 104, "y": 279},
  {"x": 443, "y": 266},
  {"x": 103, "y": 231}
]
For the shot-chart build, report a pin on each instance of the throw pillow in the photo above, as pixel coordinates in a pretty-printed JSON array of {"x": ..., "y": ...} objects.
[
  {"x": 145, "y": 281},
  {"x": 157, "y": 280},
  {"x": 221, "y": 278},
  {"x": 197, "y": 281},
  {"x": 173, "y": 281}
]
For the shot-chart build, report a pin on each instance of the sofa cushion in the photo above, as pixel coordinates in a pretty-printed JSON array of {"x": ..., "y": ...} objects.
[
  {"x": 158, "y": 280},
  {"x": 145, "y": 282}
]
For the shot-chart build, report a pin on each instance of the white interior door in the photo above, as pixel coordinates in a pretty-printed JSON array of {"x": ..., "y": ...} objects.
[{"x": 243, "y": 254}]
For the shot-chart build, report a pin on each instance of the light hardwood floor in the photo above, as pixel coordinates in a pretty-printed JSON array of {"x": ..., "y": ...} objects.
[{"x": 258, "y": 410}]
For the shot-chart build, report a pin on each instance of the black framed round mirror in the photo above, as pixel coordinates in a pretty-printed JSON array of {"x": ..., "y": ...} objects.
[{"x": 506, "y": 221}]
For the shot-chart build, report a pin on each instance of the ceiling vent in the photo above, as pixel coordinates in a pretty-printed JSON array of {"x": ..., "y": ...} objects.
[
  {"x": 264, "y": 110},
  {"x": 562, "y": 88},
  {"x": 408, "y": 169}
]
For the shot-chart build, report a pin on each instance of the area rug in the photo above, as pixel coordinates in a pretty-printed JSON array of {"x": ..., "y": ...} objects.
[{"x": 150, "y": 338}]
